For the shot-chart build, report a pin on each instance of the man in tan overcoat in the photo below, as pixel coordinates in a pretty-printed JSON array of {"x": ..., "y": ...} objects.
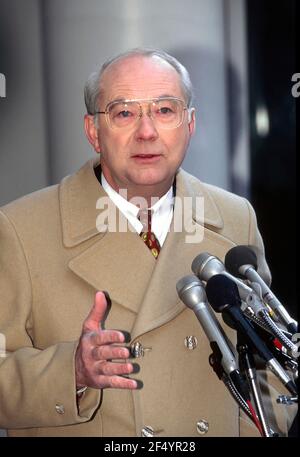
[{"x": 69, "y": 369}]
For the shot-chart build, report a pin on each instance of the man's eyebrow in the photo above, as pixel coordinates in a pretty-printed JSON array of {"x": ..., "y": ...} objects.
[
  {"x": 124, "y": 99},
  {"x": 118, "y": 100},
  {"x": 167, "y": 96}
]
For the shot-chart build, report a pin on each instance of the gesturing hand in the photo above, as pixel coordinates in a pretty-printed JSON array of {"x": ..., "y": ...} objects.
[{"x": 96, "y": 350}]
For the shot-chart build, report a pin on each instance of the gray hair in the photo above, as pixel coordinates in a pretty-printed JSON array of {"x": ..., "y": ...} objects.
[{"x": 92, "y": 89}]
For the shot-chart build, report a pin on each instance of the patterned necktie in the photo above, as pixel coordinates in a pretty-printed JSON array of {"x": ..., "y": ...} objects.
[{"x": 147, "y": 236}]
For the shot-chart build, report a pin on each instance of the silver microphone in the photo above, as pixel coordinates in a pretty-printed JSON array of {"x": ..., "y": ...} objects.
[
  {"x": 192, "y": 293},
  {"x": 206, "y": 265}
]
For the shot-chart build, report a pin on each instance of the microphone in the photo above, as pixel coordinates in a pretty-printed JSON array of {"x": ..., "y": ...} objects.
[
  {"x": 223, "y": 295},
  {"x": 241, "y": 261},
  {"x": 205, "y": 266},
  {"x": 192, "y": 293}
]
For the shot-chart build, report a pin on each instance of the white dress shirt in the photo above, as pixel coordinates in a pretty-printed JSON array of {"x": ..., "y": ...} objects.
[{"x": 162, "y": 211}]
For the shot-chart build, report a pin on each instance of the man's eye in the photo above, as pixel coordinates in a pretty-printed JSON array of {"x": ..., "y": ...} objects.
[
  {"x": 124, "y": 114},
  {"x": 165, "y": 110}
]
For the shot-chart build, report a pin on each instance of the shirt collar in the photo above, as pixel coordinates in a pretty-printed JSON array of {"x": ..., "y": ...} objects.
[
  {"x": 161, "y": 209},
  {"x": 124, "y": 205}
]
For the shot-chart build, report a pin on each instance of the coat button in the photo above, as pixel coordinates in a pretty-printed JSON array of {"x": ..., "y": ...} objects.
[
  {"x": 190, "y": 342},
  {"x": 60, "y": 409},
  {"x": 138, "y": 350},
  {"x": 147, "y": 431},
  {"x": 202, "y": 427}
]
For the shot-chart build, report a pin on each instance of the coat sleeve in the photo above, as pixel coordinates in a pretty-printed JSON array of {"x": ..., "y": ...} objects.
[
  {"x": 32, "y": 391},
  {"x": 256, "y": 242}
]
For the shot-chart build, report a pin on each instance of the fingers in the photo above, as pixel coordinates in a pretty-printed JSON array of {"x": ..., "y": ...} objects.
[
  {"x": 113, "y": 368},
  {"x": 110, "y": 352},
  {"x": 103, "y": 337},
  {"x": 97, "y": 348},
  {"x": 97, "y": 313},
  {"x": 117, "y": 382}
]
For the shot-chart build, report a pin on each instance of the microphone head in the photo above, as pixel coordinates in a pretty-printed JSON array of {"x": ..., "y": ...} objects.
[
  {"x": 238, "y": 257},
  {"x": 191, "y": 291},
  {"x": 206, "y": 265},
  {"x": 222, "y": 293}
]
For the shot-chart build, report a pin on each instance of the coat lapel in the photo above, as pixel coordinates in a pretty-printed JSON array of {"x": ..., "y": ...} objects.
[
  {"x": 118, "y": 262},
  {"x": 78, "y": 196}
]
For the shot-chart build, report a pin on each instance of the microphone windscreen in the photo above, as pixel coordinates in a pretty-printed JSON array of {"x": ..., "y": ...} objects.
[
  {"x": 222, "y": 292},
  {"x": 239, "y": 256}
]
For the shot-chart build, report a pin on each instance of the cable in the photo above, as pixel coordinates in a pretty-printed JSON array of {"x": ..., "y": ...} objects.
[{"x": 255, "y": 418}]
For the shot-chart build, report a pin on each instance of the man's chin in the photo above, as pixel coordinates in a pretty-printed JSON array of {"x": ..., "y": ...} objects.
[
  {"x": 149, "y": 182},
  {"x": 150, "y": 177}
]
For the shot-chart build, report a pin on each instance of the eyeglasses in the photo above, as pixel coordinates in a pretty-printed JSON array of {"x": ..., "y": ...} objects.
[{"x": 166, "y": 112}]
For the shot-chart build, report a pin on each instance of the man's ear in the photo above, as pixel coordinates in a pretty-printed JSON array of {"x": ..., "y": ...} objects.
[
  {"x": 91, "y": 131},
  {"x": 192, "y": 120}
]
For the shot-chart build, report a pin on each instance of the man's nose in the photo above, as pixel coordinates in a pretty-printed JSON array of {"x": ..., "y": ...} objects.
[{"x": 145, "y": 129}]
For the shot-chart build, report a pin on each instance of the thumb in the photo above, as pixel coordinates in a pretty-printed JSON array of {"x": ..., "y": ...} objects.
[{"x": 97, "y": 313}]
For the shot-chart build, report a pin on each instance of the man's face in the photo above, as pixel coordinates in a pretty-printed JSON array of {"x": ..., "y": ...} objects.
[{"x": 143, "y": 155}]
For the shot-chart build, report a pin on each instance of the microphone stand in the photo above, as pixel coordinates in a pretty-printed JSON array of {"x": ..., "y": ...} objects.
[{"x": 247, "y": 365}]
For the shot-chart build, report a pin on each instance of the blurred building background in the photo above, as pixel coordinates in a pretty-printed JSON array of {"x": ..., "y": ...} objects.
[{"x": 241, "y": 57}]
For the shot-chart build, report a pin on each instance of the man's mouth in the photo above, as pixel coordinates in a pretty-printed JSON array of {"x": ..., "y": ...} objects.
[{"x": 146, "y": 157}]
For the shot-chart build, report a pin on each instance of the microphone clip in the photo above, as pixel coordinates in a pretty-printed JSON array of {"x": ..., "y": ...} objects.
[
  {"x": 287, "y": 400},
  {"x": 215, "y": 361}
]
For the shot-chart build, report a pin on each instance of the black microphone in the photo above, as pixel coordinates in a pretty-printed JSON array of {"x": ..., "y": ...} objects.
[
  {"x": 241, "y": 261},
  {"x": 223, "y": 295},
  {"x": 191, "y": 291}
]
